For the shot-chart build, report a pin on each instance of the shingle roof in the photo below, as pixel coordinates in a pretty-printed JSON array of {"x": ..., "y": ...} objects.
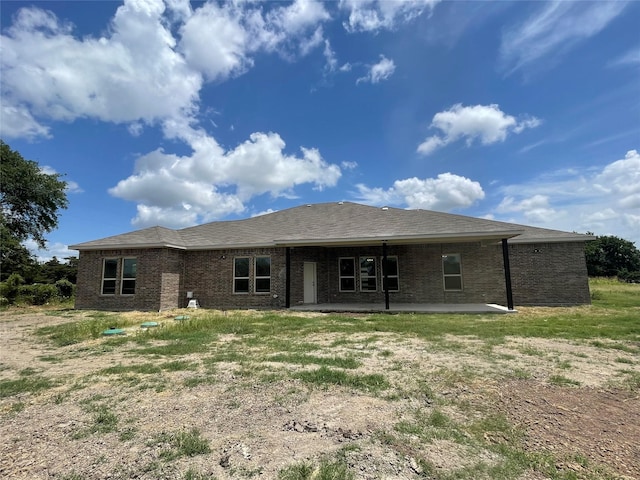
[{"x": 333, "y": 224}]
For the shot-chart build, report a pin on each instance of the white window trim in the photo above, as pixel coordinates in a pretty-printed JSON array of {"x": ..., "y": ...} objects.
[
  {"x": 262, "y": 277},
  {"x": 122, "y": 278},
  {"x": 248, "y": 277},
  {"x": 340, "y": 276},
  {"x": 445, "y": 275},
  {"x": 374, "y": 276},
  {"x": 104, "y": 267},
  {"x": 397, "y": 275}
]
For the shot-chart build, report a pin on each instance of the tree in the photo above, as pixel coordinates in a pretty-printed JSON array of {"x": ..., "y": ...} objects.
[
  {"x": 609, "y": 256},
  {"x": 29, "y": 203}
]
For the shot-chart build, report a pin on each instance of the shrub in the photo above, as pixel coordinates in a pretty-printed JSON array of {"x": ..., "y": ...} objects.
[
  {"x": 630, "y": 277},
  {"x": 38, "y": 294},
  {"x": 65, "y": 288},
  {"x": 10, "y": 288}
]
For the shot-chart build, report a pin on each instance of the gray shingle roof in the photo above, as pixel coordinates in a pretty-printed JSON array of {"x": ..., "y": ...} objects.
[{"x": 333, "y": 224}]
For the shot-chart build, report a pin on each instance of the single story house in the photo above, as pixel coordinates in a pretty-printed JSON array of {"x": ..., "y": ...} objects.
[{"x": 334, "y": 253}]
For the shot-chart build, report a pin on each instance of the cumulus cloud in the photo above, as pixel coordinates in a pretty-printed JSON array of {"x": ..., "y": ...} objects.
[
  {"x": 211, "y": 182},
  {"x": 536, "y": 209},
  {"x": 132, "y": 75},
  {"x": 446, "y": 192},
  {"x": 139, "y": 74},
  {"x": 604, "y": 201},
  {"x": 215, "y": 42},
  {"x": 379, "y": 71},
  {"x": 374, "y": 15},
  {"x": 553, "y": 30},
  {"x": 486, "y": 123}
]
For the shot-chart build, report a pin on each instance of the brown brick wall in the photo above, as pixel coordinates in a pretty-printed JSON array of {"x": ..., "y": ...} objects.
[
  {"x": 542, "y": 274},
  {"x": 209, "y": 275},
  {"x": 420, "y": 274},
  {"x": 549, "y": 274},
  {"x": 151, "y": 265}
]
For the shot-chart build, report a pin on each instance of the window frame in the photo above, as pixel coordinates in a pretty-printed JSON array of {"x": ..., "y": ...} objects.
[
  {"x": 124, "y": 279},
  {"x": 341, "y": 276},
  {"x": 236, "y": 277},
  {"x": 257, "y": 277},
  {"x": 396, "y": 276},
  {"x": 113, "y": 279},
  {"x": 373, "y": 261},
  {"x": 452, "y": 275}
]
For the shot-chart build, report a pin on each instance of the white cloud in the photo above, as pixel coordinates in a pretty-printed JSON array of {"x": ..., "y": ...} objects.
[
  {"x": 210, "y": 183},
  {"x": 446, "y": 192},
  {"x": 486, "y": 123},
  {"x": 379, "y": 71},
  {"x": 348, "y": 165},
  {"x": 373, "y": 15},
  {"x": 138, "y": 73},
  {"x": 630, "y": 58},
  {"x": 17, "y": 122},
  {"x": 133, "y": 75},
  {"x": 604, "y": 201},
  {"x": 56, "y": 249},
  {"x": 215, "y": 42},
  {"x": 298, "y": 16},
  {"x": 72, "y": 187},
  {"x": 535, "y": 209},
  {"x": 554, "y": 29}
]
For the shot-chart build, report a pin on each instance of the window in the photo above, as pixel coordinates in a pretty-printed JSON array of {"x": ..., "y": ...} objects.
[
  {"x": 347, "y": 272},
  {"x": 263, "y": 274},
  {"x": 452, "y": 271},
  {"x": 391, "y": 269},
  {"x": 368, "y": 276},
  {"x": 241, "y": 275},
  {"x": 128, "y": 285},
  {"x": 109, "y": 275}
]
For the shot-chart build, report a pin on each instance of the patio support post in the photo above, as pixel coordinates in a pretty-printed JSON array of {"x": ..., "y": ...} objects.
[
  {"x": 507, "y": 273},
  {"x": 287, "y": 280},
  {"x": 385, "y": 273}
]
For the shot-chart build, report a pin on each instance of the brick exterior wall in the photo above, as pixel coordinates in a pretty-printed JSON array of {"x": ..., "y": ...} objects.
[
  {"x": 551, "y": 274},
  {"x": 542, "y": 274},
  {"x": 152, "y": 264}
]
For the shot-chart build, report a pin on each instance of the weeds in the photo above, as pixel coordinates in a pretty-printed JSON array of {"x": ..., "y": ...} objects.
[
  {"x": 325, "y": 376},
  {"x": 181, "y": 444}
]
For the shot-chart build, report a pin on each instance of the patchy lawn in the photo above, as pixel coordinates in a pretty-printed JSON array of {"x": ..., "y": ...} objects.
[{"x": 544, "y": 393}]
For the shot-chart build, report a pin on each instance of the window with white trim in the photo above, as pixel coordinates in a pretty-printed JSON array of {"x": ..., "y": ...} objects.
[
  {"x": 109, "y": 276},
  {"x": 241, "y": 274},
  {"x": 262, "y": 273},
  {"x": 368, "y": 275},
  {"x": 452, "y": 271},
  {"x": 347, "y": 274},
  {"x": 391, "y": 270},
  {"x": 128, "y": 283}
]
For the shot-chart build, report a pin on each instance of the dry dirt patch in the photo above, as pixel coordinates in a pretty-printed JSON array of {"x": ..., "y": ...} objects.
[{"x": 256, "y": 428}]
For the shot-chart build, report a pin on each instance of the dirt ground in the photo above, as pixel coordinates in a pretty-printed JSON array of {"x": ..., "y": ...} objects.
[{"x": 256, "y": 428}]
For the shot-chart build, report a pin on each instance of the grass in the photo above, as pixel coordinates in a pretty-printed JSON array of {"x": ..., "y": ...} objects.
[
  {"x": 355, "y": 353},
  {"x": 181, "y": 443},
  {"x": 25, "y": 384},
  {"x": 325, "y": 376}
]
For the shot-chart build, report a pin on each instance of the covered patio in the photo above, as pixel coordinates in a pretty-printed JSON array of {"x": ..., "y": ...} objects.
[{"x": 402, "y": 308}]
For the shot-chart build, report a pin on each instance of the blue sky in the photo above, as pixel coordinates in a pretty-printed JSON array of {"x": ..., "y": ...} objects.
[{"x": 177, "y": 113}]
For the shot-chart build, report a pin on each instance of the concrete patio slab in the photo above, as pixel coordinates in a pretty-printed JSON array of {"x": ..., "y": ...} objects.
[{"x": 402, "y": 308}]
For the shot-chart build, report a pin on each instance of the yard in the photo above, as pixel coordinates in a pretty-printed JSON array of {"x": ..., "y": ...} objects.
[{"x": 547, "y": 393}]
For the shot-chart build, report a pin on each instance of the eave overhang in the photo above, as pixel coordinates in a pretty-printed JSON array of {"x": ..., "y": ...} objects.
[
  {"x": 132, "y": 246},
  {"x": 484, "y": 237}
]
